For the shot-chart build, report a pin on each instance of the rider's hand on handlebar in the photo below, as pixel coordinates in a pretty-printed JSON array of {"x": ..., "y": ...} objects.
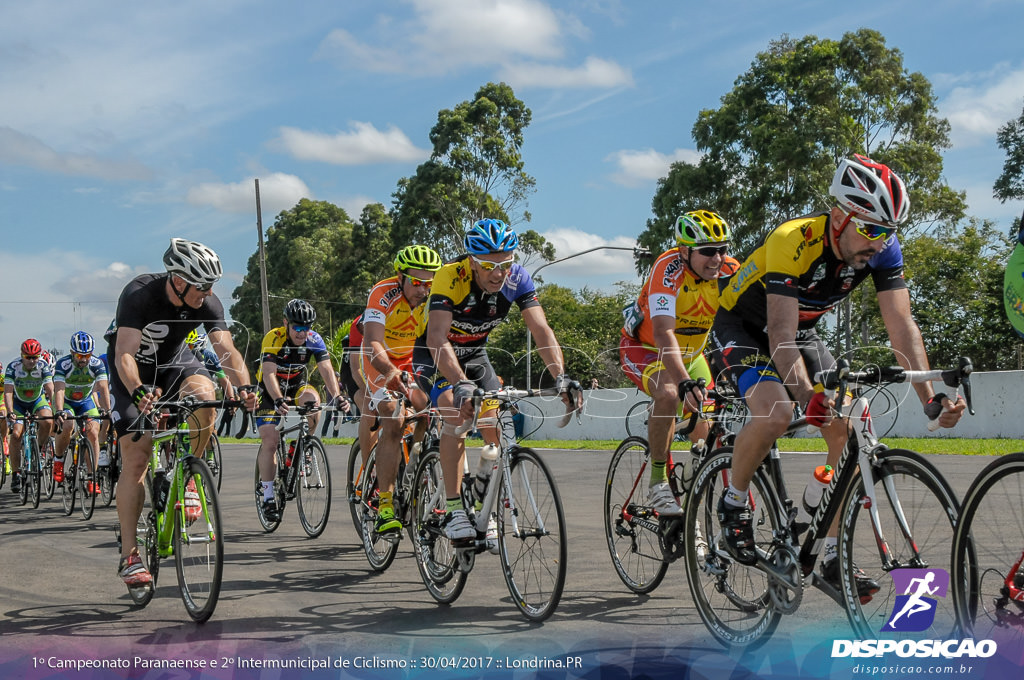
[
  {"x": 819, "y": 408},
  {"x": 693, "y": 393},
  {"x": 144, "y": 399},
  {"x": 398, "y": 381},
  {"x": 945, "y": 410}
]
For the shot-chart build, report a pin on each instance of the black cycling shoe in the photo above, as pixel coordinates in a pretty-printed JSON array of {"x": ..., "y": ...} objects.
[
  {"x": 15, "y": 482},
  {"x": 866, "y": 586},
  {"x": 271, "y": 512},
  {"x": 738, "y": 532}
]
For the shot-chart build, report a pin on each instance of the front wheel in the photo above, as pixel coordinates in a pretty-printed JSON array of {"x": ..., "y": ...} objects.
[
  {"x": 86, "y": 478},
  {"x": 354, "y": 484},
  {"x": 905, "y": 524},
  {"x": 629, "y": 528},
  {"x": 69, "y": 487},
  {"x": 198, "y": 540},
  {"x": 49, "y": 483},
  {"x": 637, "y": 417},
  {"x": 35, "y": 474},
  {"x": 313, "y": 482},
  {"x": 531, "y": 536},
  {"x": 436, "y": 558},
  {"x": 380, "y": 550},
  {"x": 269, "y": 525}
]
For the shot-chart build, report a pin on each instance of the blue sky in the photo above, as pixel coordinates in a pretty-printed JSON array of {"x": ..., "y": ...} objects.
[{"x": 124, "y": 124}]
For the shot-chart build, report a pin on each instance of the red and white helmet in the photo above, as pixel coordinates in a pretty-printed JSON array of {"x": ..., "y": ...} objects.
[{"x": 871, "y": 191}]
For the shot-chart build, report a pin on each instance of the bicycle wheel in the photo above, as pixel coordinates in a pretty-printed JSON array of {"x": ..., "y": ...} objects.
[
  {"x": 353, "y": 486},
  {"x": 198, "y": 540},
  {"x": 313, "y": 492},
  {"x": 436, "y": 559},
  {"x": 4, "y": 462},
  {"x": 531, "y": 536},
  {"x": 732, "y": 599},
  {"x": 989, "y": 545},
  {"x": 109, "y": 473},
  {"x": 86, "y": 479},
  {"x": 917, "y": 514},
  {"x": 213, "y": 458},
  {"x": 632, "y": 533},
  {"x": 146, "y": 538},
  {"x": 636, "y": 418},
  {"x": 69, "y": 487},
  {"x": 34, "y": 475},
  {"x": 380, "y": 550},
  {"x": 49, "y": 484},
  {"x": 269, "y": 525}
]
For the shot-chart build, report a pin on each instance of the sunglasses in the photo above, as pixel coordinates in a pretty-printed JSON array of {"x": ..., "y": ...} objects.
[
  {"x": 202, "y": 288},
  {"x": 488, "y": 266},
  {"x": 870, "y": 230},
  {"x": 300, "y": 329},
  {"x": 418, "y": 283},
  {"x": 81, "y": 357},
  {"x": 711, "y": 251},
  {"x": 30, "y": 357}
]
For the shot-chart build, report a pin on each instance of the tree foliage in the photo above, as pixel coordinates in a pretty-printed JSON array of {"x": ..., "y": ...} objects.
[
  {"x": 770, "y": 150},
  {"x": 1010, "y": 184}
]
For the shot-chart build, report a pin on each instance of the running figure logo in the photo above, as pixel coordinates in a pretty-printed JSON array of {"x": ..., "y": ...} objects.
[{"x": 914, "y": 610}]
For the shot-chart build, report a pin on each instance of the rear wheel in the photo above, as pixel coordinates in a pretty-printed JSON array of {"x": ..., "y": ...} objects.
[
  {"x": 269, "y": 525},
  {"x": 637, "y": 417},
  {"x": 313, "y": 486},
  {"x": 108, "y": 473},
  {"x": 213, "y": 458},
  {"x": 86, "y": 478},
  {"x": 436, "y": 558},
  {"x": 198, "y": 540}
]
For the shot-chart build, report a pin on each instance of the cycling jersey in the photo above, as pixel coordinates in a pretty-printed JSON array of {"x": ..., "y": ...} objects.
[
  {"x": 79, "y": 382},
  {"x": 796, "y": 260},
  {"x": 673, "y": 290},
  {"x": 28, "y": 384},
  {"x": 475, "y": 313},
  {"x": 387, "y": 305},
  {"x": 290, "y": 361}
]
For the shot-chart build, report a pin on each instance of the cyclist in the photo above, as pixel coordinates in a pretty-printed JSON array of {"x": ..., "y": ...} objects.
[
  {"x": 469, "y": 298},
  {"x": 199, "y": 344},
  {"x": 76, "y": 377},
  {"x": 665, "y": 332},
  {"x": 764, "y": 331},
  {"x": 394, "y": 312},
  {"x": 1013, "y": 284},
  {"x": 3, "y": 426},
  {"x": 148, "y": 358},
  {"x": 28, "y": 389},
  {"x": 285, "y": 356}
]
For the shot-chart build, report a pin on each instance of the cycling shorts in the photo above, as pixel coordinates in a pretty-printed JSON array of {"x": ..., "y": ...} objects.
[
  {"x": 24, "y": 408},
  {"x": 168, "y": 378},
  {"x": 641, "y": 362},
  {"x": 86, "y": 407},
  {"x": 475, "y": 365}
]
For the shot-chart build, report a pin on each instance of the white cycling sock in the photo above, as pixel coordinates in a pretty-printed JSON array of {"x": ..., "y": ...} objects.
[{"x": 268, "y": 490}]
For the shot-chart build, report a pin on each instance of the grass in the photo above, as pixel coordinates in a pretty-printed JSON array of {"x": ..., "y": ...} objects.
[{"x": 963, "y": 447}]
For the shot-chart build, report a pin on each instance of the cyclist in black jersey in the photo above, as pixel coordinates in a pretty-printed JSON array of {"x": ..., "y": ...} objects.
[
  {"x": 149, "y": 359},
  {"x": 763, "y": 334}
]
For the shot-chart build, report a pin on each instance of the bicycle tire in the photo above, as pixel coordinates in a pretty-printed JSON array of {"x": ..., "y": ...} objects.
[
  {"x": 908, "y": 486},
  {"x": 25, "y": 477},
  {"x": 436, "y": 559},
  {"x": 214, "y": 458},
  {"x": 313, "y": 486},
  {"x": 380, "y": 551},
  {"x": 46, "y": 469},
  {"x": 637, "y": 417},
  {"x": 983, "y": 551},
  {"x": 269, "y": 526},
  {"x": 198, "y": 540},
  {"x": 35, "y": 474},
  {"x": 86, "y": 480},
  {"x": 146, "y": 532},
  {"x": 4, "y": 462},
  {"x": 353, "y": 486},
  {"x": 635, "y": 549},
  {"x": 532, "y": 541},
  {"x": 69, "y": 487},
  {"x": 110, "y": 472},
  {"x": 731, "y": 599}
]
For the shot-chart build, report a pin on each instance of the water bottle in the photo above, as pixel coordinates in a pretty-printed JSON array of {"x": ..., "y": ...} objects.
[
  {"x": 291, "y": 454},
  {"x": 488, "y": 456},
  {"x": 820, "y": 481}
]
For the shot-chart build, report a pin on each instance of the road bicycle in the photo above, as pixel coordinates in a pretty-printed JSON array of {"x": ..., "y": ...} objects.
[
  {"x": 523, "y": 499},
  {"x": 108, "y": 474},
  {"x": 31, "y": 460},
  {"x": 640, "y": 543},
  {"x": 303, "y": 475},
  {"x": 895, "y": 511},
  {"x": 79, "y": 473},
  {"x": 381, "y": 549},
  {"x": 181, "y": 514},
  {"x": 988, "y": 555}
]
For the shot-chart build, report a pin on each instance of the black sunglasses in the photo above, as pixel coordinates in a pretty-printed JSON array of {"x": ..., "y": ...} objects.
[{"x": 711, "y": 251}]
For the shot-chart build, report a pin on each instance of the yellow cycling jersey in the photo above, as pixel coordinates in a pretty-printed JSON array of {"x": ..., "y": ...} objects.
[{"x": 387, "y": 305}]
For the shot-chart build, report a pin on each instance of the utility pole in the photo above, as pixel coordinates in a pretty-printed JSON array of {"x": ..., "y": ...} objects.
[{"x": 264, "y": 298}]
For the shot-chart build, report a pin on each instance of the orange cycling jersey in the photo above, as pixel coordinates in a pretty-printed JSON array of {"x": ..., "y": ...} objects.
[
  {"x": 386, "y": 305},
  {"x": 673, "y": 290}
]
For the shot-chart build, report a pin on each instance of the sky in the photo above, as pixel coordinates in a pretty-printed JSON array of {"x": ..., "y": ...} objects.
[{"x": 123, "y": 124}]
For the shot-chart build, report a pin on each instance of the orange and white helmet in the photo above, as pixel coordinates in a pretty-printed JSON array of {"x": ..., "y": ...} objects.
[{"x": 870, "y": 191}]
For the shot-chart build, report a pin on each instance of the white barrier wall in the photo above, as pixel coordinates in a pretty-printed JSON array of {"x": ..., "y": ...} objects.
[{"x": 998, "y": 402}]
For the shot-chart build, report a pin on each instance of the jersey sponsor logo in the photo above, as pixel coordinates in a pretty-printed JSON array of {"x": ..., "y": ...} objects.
[
  {"x": 806, "y": 243},
  {"x": 672, "y": 269},
  {"x": 389, "y": 296},
  {"x": 661, "y": 301},
  {"x": 374, "y": 315},
  {"x": 153, "y": 335}
]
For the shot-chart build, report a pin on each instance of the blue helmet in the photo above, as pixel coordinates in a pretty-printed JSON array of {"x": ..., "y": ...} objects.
[
  {"x": 81, "y": 343},
  {"x": 490, "y": 236}
]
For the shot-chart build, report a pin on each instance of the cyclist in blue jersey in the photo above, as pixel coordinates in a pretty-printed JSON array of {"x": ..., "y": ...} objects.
[{"x": 75, "y": 378}]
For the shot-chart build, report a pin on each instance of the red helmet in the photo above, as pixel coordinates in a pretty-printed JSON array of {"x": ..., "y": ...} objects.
[{"x": 31, "y": 348}]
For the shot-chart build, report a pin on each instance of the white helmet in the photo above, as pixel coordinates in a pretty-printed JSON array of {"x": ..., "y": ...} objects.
[
  {"x": 193, "y": 262},
  {"x": 871, "y": 191}
]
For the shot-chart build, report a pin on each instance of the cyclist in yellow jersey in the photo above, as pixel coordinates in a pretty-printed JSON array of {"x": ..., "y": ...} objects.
[
  {"x": 393, "y": 313},
  {"x": 764, "y": 331},
  {"x": 665, "y": 332}
]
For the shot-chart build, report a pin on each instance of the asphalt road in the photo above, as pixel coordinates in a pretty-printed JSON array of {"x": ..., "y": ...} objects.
[{"x": 289, "y": 597}]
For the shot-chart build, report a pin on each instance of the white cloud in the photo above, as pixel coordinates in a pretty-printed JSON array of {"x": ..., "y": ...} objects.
[
  {"x": 278, "y": 191},
  {"x": 17, "y": 148},
  {"x": 608, "y": 262},
  {"x": 643, "y": 166},
  {"x": 975, "y": 111},
  {"x": 594, "y": 72},
  {"x": 364, "y": 144}
]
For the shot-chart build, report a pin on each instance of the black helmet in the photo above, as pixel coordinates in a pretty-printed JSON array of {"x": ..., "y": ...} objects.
[{"x": 299, "y": 312}]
